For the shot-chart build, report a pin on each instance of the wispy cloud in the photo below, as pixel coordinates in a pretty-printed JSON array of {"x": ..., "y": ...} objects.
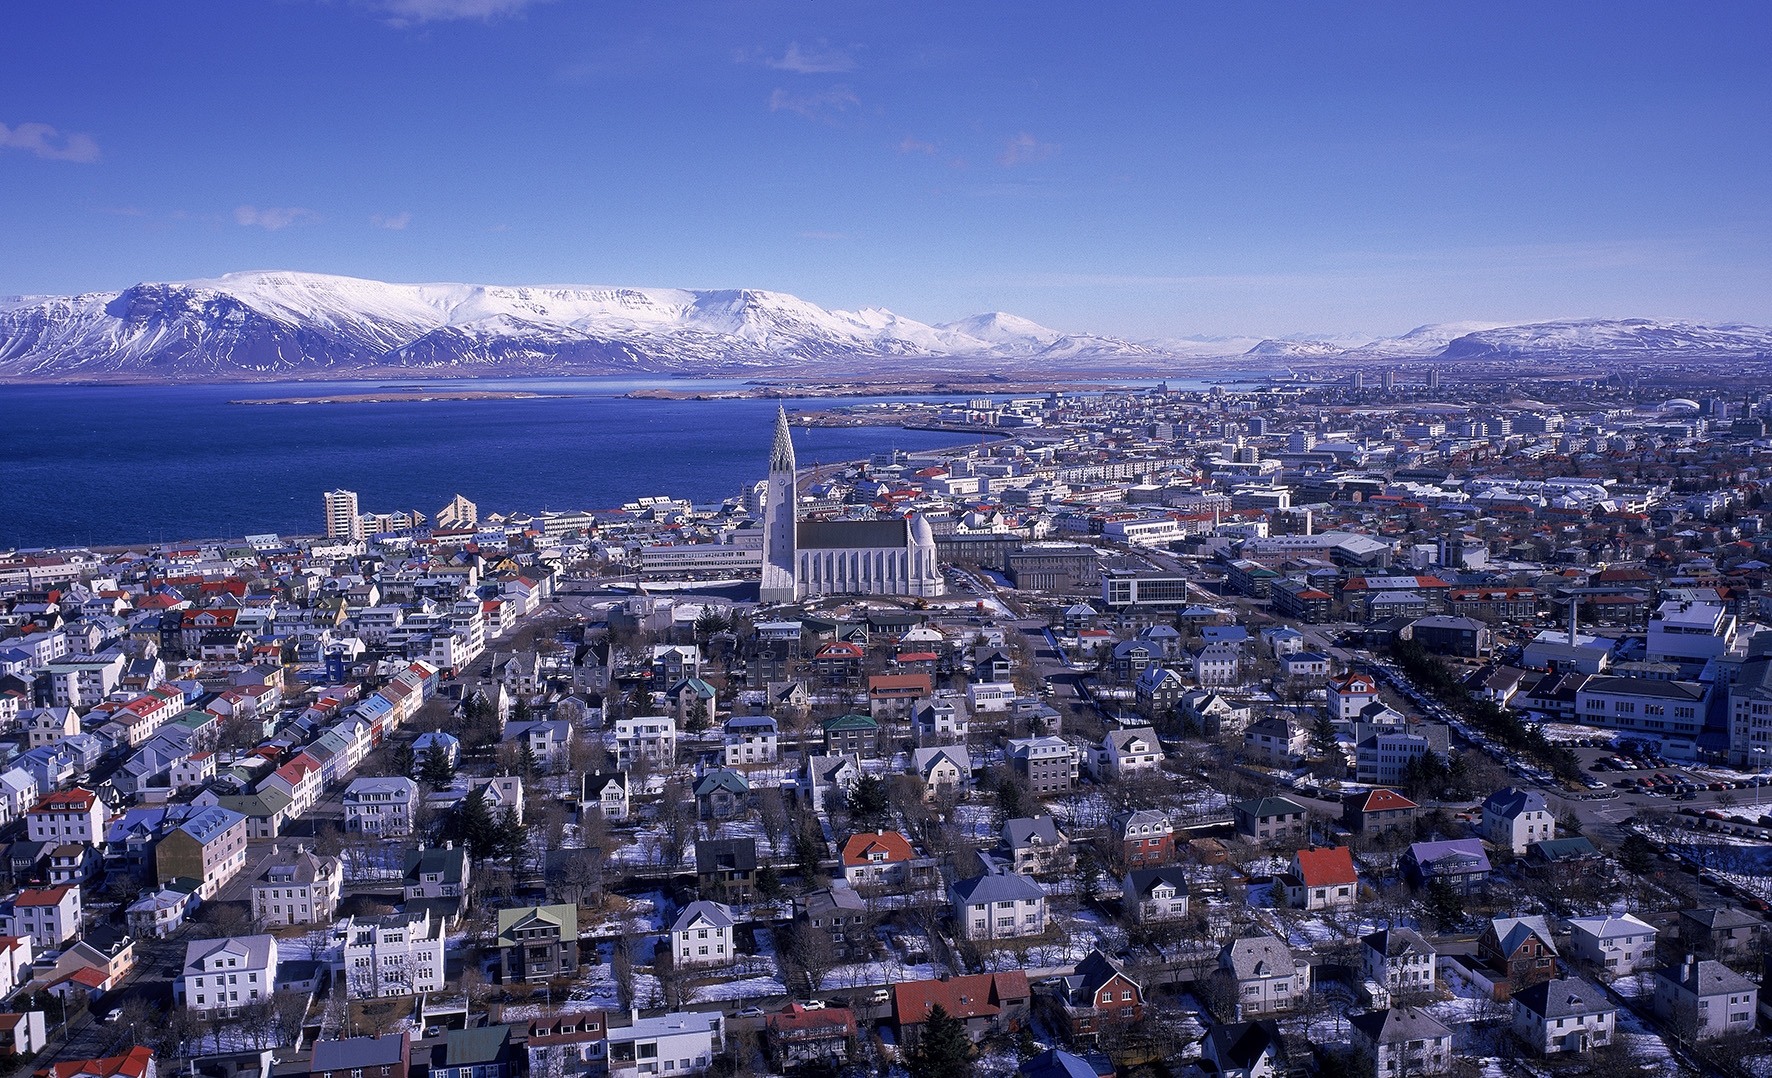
[
  {"x": 819, "y": 59},
  {"x": 1024, "y": 148},
  {"x": 48, "y": 143},
  {"x": 416, "y": 12},
  {"x": 397, "y": 222},
  {"x": 273, "y": 218},
  {"x": 915, "y": 145},
  {"x": 820, "y": 105}
]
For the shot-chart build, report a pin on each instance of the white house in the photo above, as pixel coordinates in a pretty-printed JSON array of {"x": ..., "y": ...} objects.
[
  {"x": 1705, "y": 999},
  {"x": 1618, "y": 945},
  {"x": 49, "y": 915},
  {"x": 1516, "y": 818},
  {"x": 303, "y": 890},
  {"x": 75, "y": 815},
  {"x": 702, "y": 936},
  {"x": 1403, "y": 1040},
  {"x": 1268, "y": 977},
  {"x": 998, "y": 906},
  {"x": 395, "y": 955},
  {"x": 1399, "y": 959},
  {"x": 1155, "y": 894},
  {"x": 1564, "y": 1015},
  {"x": 227, "y": 974},
  {"x": 687, "y": 1041},
  {"x": 650, "y": 737},
  {"x": 988, "y": 696},
  {"x": 1126, "y": 753},
  {"x": 751, "y": 739},
  {"x": 380, "y": 806},
  {"x": 1350, "y": 694}
]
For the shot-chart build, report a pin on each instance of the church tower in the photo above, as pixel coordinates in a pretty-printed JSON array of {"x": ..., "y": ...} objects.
[{"x": 780, "y": 520}]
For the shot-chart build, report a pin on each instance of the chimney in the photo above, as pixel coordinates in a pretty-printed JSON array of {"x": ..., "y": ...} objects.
[
  {"x": 449, "y": 844},
  {"x": 634, "y": 1014}
]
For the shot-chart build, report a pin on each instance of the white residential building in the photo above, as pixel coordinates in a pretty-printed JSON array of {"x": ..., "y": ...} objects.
[
  {"x": 303, "y": 890},
  {"x": 1618, "y": 945},
  {"x": 227, "y": 974},
  {"x": 686, "y": 1041},
  {"x": 1398, "y": 959},
  {"x": 650, "y": 737},
  {"x": 396, "y": 955},
  {"x": 1515, "y": 819},
  {"x": 989, "y": 696},
  {"x": 380, "y": 806},
  {"x": 1126, "y": 753},
  {"x": 751, "y": 739},
  {"x": 702, "y": 936},
  {"x": 1564, "y": 1015},
  {"x": 50, "y": 916},
  {"x": 998, "y": 906}
]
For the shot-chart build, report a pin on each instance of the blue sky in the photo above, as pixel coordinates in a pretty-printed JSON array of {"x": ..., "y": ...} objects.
[{"x": 1146, "y": 170}]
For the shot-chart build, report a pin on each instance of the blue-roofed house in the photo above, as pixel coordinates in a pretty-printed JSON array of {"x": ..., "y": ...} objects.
[{"x": 1461, "y": 862}]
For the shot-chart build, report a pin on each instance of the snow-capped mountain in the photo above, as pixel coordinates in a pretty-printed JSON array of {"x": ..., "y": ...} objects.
[
  {"x": 285, "y": 324},
  {"x": 272, "y": 323}
]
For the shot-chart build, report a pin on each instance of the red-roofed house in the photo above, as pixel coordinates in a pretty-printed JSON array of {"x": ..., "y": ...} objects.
[
  {"x": 75, "y": 815},
  {"x": 987, "y": 1003},
  {"x": 299, "y": 779},
  {"x": 50, "y": 916},
  {"x": 891, "y": 696},
  {"x": 877, "y": 858},
  {"x": 1322, "y": 878},
  {"x": 795, "y": 1035},
  {"x": 1349, "y": 694},
  {"x": 1379, "y": 812},
  {"x": 138, "y": 1062}
]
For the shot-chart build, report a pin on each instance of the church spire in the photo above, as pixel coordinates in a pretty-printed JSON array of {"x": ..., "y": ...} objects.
[{"x": 781, "y": 454}]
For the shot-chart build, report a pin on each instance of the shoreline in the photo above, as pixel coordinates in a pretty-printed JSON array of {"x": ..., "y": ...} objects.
[{"x": 410, "y": 395}]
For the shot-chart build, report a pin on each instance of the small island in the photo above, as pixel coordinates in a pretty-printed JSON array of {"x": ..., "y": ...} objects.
[{"x": 408, "y": 395}]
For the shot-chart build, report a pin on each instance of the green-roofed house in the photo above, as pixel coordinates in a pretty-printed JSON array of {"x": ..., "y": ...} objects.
[
  {"x": 848, "y": 734},
  {"x": 481, "y": 1052},
  {"x": 538, "y": 943},
  {"x": 1271, "y": 820},
  {"x": 722, "y": 794}
]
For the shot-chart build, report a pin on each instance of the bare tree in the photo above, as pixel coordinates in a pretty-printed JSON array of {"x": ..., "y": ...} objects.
[{"x": 814, "y": 954}]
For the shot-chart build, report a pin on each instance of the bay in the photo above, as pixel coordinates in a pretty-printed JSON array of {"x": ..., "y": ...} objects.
[{"x": 114, "y": 465}]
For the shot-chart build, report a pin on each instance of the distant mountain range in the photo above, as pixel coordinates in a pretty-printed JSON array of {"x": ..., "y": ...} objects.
[{"x": 294, "y": 325}]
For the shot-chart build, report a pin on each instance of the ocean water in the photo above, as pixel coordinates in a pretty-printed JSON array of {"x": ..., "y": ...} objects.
[{"x": 111, "y": 465}]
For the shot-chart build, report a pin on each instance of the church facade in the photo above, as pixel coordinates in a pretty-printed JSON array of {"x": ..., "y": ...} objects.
[{"x": 812, "y": 558}]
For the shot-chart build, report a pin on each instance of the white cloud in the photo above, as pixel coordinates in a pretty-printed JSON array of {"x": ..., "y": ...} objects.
[
  {"x": 48, "y": 143},
  {"x": 820, "y": 105},
  {"x": 1024, "y": 148},
  {"x": 272, "y": 218},
  {"x": 820, "y": 59},
  {"x": 396, "y": 222},
  {"x": 915, "y": 145},
  {"x": 412, "y": 12}
]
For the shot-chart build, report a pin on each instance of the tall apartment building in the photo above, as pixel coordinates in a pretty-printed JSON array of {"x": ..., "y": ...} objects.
[{"x": 342, "y": 521}]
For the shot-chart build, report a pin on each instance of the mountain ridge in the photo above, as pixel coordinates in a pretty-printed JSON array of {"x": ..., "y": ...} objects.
[{"x": 279, "y": 323}]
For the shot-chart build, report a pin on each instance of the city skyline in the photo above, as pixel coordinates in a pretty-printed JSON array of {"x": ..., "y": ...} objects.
[{"x": 1172, "y": 172}]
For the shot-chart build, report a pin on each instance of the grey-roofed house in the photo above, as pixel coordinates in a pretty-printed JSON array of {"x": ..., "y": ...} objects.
[
  {"x": 841, "y": 914},
  {"x": 1033, "y": 845},
  {"x": 702, "y": 935},
  {"x": 1399, "y": 960},
  {"x": 1155, "y": 894},
  {"x": 1515, "y": 818},
  {"x": 479, "y": 1052},
  {"x": 1403, "y": 1040},
  {"x": 1269, "y": 978},
  {"x": 1241, "y": 1050},
  {"x": 1720, "y": 932},
  {"x": 998, "y": 906},
  {"x": 1564, "y": 1015},
  {"x": 1618, "y": 945},
  {"x": 1271, "y": 819},
  {"x": 224, "y": 975},
  {"x": 1704, "y": 999},
  {"x": 386, "y": 1054}
]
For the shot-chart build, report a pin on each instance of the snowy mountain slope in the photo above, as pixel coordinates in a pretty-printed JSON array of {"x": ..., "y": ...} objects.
[
  {"x": 288, "y": 324},
  {"x": 1620, "y": 338}
]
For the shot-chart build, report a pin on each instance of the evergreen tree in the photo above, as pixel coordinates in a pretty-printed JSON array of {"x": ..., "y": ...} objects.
[
  {"x": 436, "y": 771},
  {"x": 867, "y": 802},
  {"x": 944, "y": 1051},
  {"x": 769, "y": 882},
  {"x": 1445, "y": 903},
  {"x": 521, "y": 711},
  {"x": 1636, "y": 855},
  {"x": 476, "y": 828},
  {"x": 512, "y": 839},
  {"x": 526, "y": 765},
  {"x": 402, "y": 762}
]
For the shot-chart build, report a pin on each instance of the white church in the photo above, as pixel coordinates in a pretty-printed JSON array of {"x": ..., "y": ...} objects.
[{"x": 807, "y": 559}]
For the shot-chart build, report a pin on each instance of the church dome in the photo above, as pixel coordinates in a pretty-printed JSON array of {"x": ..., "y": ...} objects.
[{"x": 921, "y": 533}]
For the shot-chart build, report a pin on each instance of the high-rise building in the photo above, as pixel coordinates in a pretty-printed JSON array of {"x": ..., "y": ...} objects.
[
  {"x": 1433, "y": 378},
  {"x": 459, "y": 513},
  {"x": 1389, "y": 381},
  {"x": 1357, "y": 381},
  {"x": 342, "y": 521}
]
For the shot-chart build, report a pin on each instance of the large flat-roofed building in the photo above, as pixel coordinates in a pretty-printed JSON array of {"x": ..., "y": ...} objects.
[
  {"x": 1128, "y": 588},
  {"x": 1690, "y": 633},
  {"x": 1055, "y": 567},
  {"x": 1671, "y": 712}
]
